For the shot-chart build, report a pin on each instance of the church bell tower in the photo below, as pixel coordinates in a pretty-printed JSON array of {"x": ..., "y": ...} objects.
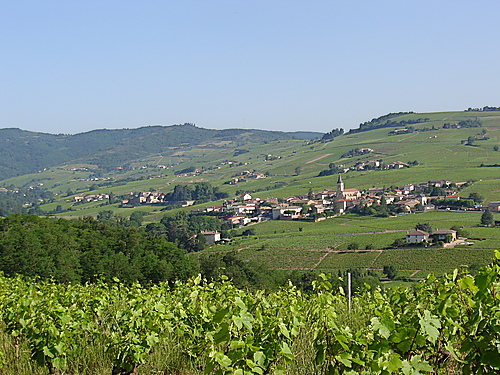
[{"x": 340, "y": 188}]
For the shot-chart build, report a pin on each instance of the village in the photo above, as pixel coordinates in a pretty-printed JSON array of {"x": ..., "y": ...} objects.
[{"x": 317, "y": 206}]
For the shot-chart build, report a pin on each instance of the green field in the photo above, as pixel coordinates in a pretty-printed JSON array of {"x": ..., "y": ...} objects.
[{"x": 323, "y": 246}]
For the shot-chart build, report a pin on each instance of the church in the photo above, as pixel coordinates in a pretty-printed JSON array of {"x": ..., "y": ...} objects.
[{"x": 346, "y": 194}]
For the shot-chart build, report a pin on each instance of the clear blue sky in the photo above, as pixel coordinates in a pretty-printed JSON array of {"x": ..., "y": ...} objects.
[{"x": 71, "y": 66}]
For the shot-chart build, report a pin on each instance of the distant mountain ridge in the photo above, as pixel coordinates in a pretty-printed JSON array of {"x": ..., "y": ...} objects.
[{"x": 23, "y": 152}]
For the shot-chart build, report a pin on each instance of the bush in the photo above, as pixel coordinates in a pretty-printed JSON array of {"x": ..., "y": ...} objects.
[{"x": 353, "y": 246}]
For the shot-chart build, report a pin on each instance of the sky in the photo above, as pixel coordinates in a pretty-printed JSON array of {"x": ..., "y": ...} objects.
[{"x": 72, "y": 66}]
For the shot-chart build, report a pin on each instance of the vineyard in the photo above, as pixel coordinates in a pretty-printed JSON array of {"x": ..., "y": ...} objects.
[{"x": 448, "y": 325}]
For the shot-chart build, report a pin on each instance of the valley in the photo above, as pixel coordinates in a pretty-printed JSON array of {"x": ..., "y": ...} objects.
[{"x": 381, "y": 156}]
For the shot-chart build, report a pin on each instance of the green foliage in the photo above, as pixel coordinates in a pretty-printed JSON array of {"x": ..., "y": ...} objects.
[
  {"x": 353, "y": 246},
  {"x": 334, "y": 133},
  {"x": 476, "y": 197},
  {"x": 332, "y": 169},
  {"x": 390, "y": 271},
  {"x": 13, "y": 201},
  {"x": 385, "y": 122},
  {"x": 200, "y": 192},
  {"x": 248, "y": 232},
  {"x": 447, "y": 325},
  {"x": 86, "y": 250},
  {"x": 487, "y": 218},
  {"x": 426, "y": 227}
]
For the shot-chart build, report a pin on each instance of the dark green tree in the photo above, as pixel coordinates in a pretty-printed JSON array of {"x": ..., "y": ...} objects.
[
  {"x": 487, "y": 218},
  {"x": 137, "y": 217},
  {"x": 426, "y": 227},
  {"x": 353, "y": 246},
  {"x": 248, "y": 232},
  {"x": 390, "y": 271},
  {"x": 105, "y": 216},
  {"x": 476, "y": 197}
]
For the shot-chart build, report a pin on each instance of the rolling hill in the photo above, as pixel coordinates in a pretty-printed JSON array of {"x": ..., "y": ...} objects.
[
  {"x": 23, "y": 152},
  {"x": 124, "y": 161},
  {"x": 461, "y": 147}
]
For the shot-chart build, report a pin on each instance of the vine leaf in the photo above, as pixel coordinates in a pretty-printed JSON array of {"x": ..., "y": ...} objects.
[{"x": 430, "y": 325}]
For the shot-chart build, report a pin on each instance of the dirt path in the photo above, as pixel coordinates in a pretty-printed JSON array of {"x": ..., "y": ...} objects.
[
  {"x": 318, "y": 158},
  {"x": 414, "y": 273},
  {"x": 375, "y": 259},
  {"x": 328, "y": 252}
]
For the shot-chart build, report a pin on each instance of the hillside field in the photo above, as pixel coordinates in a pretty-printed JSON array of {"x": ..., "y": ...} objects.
[
  {"x": 291, "y": 167},
  {"x": 323, "y": 246}
]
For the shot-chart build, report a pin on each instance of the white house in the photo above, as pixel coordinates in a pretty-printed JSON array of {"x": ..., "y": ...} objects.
[
  {"x": 417, "y": 236},
  {"x": 211, "y": 237}
]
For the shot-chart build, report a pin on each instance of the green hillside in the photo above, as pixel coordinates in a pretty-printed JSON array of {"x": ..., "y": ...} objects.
[
  {"x": 292, "y": 166},
  {"x": 24, "y": 152},
  {"x": 461, "y": 147}
]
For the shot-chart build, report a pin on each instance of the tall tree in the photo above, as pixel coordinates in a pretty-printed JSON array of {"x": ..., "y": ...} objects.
[
  {"x": 426, "y": 227},
  {"x": 487, "y": 218}
]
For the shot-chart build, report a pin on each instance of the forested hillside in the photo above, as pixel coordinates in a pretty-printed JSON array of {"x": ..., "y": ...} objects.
[{"x": 23, "y": 152}]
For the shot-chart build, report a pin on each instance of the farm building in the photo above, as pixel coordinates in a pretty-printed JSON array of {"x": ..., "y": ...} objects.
[
  {"x": 211, "y": 237},
  {"x": 417, "y": 236},
  {"x": 447, "y": 235},
  {"x": 494, "y": 206}
]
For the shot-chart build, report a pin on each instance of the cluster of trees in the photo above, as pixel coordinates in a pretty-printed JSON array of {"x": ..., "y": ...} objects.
[
  {"x": 385, "y": 122},
  {"x": 334, "y": 133},
  {"x": 86, "y": 250},
  {"x": 332, "y": 169},
  {"x": 434, "y": 191},
  {"x": 23, "y": 200},
  {"x": 240, "y": 151},
  {"x": 454, "y": 203},
  {"x": 381, "y": 209},
  {"x": 355, "y": 152},
  {"x": 409, "y": 129},
  {"x": 470, "y": 123},
  {"x": 484, "y": 109},
  {"x": 185, "y": 229},
  {"x": 200, "y": 192}
]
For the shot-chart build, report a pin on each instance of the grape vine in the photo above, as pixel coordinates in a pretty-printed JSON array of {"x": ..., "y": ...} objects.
[{"x": 445, "y": 325}]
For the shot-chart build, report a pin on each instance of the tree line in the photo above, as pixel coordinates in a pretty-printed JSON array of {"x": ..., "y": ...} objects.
[{"x": 89, "y": 250}]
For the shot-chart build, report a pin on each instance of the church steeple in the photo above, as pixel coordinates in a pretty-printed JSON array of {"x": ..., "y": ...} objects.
[{"x": 340, "y": 188}]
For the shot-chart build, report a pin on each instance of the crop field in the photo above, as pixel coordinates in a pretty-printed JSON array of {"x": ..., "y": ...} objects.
[
  {"x": 438, "y": 261},
  {"x": 348, "y": 260},
  {"x": 323, "y": 246},
  {"x": 288, "y": 259},
  {"x": 359, "y": 224}
]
